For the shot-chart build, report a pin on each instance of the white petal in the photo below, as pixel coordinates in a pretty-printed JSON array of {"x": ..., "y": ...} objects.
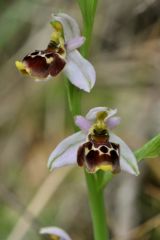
[
  {"x": 82, "y": 123},
  {"x": 75, "y": 43},
  {"x": 79, "y": 71},
  {"x": 66, "y": 151},
  {"x": 92, "y": 114},
  {"x": 70, "y": 26},
  {"x": 112, "y": 122},
  {"x": 55, "y": 231},
  {"x": 128, "y": 161}
]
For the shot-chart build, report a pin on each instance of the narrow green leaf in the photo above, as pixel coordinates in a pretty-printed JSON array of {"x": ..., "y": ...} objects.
[
  {"x": 150, "y": 150},
  {"x": 88, "y": 10}
]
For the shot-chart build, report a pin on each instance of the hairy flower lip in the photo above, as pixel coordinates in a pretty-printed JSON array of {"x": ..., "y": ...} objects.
[
  {"x": 66, "y": 151},
  {"x": 95, "y": 155}
]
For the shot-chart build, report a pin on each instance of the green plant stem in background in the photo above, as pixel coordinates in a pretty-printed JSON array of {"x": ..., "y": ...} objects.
[
  {"x": 97, "y": 206},
  {"x": 95, "y": 193},
  {"x": 149, "y": 150},
  {"x": 88, "y": 10}
]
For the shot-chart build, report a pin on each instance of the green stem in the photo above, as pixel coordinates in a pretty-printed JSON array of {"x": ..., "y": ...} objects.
[
  {"x": 95, "y": 193},
  {"x": 97, "y": 207},
  {"x": 74, "y": 101}
]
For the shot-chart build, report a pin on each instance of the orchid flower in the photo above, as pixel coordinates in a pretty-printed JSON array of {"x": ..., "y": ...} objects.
[
  {"x": 95, "y": 146},
  {"x": 54, "y": 233},
  {"x": 60, "y": 55}
]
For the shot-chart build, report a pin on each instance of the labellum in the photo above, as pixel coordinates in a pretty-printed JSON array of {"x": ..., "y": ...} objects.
[
  {"x": 98, "y": 152},
  {"x": 43, "y": 64}
]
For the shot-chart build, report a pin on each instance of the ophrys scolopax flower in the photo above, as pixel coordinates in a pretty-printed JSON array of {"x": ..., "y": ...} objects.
[
  {"x": 60, "y": 55},
  {"x": 95, "y": 146}
]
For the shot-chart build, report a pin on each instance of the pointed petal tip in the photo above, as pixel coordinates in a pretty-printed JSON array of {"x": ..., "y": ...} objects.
[
  {"x": 113, "y": 122},
  {"x": 134, "y": 171},
  {"x": 82, "y": 123},
  {"x": 87, "y": 90},
  {"x": 21, "y": 67},
  {"x": 128, "y": 166},
  {"x": 137, "y": 172},
  {"x": 75, "y": 43},
  {"x": 49, "y": 166}
]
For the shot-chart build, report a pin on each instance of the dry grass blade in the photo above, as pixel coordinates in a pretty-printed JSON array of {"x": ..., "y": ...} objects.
[
  {"x": 143, "y": 229},
  {"x": 39, "y": 201}
]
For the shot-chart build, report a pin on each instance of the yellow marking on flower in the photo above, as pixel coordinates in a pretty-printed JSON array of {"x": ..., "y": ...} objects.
[
  {"x": 101, "y": 115},
  {"x": 86, "y": 151},
  {"x": 22, "y": 68},
  {"x": 105, "y": 168},
  {"x": 99, "y": 125},
  {"x": 58, "y": 36},
  {"x": 61, "y": 42},
  {"x": 49, "y": 60},
  {"x": 55, "y": 37},
  {"x": 100, "y": 120},
  {"x": 53, "y": 237},
  {"x": 57, "y": 26}
]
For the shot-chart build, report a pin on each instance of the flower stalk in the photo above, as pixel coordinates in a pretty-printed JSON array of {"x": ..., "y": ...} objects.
[
  {"x": 95, "y": 195},
  {"x": 97, "y": 208}
]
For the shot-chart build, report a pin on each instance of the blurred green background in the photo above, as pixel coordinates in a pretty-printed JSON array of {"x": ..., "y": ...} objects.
[{"x": 126, "y": 54}]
